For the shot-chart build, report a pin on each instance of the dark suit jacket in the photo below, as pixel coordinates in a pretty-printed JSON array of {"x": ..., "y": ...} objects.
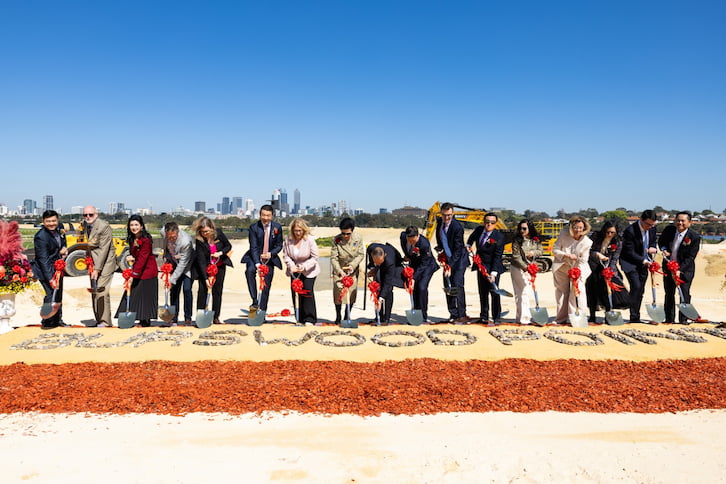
[
  {"x": 47, "y": 251},
  {"x": 631, "y": 257},
  {"x": 490, "y": 253},
  {"x": 420, "y": 259},
  {"x": 204, "y": 256},
  {"x": 389, "y": 272},
  {"x": 455, "y": 237},
  {"x": 686, "y": 252},
  {"x": 257, "y": 240}
]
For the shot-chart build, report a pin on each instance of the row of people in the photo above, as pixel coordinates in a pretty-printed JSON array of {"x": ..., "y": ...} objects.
[{"x": 191, "y": 258}]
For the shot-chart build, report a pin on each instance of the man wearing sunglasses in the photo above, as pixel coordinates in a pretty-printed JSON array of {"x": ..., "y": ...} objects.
[
  {"x": 488, "y": 243},
  {"x": 100, "y": 247}
]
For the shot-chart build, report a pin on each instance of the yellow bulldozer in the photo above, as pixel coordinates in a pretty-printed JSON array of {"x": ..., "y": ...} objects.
[
  {"x": 548, "y": 231},
  {"x": 77, "y": 246}
]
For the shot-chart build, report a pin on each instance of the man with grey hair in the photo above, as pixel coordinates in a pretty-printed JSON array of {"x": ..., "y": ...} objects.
[
  {"x": 99, "y": 236},
  {"x": 179, "y": 252}
]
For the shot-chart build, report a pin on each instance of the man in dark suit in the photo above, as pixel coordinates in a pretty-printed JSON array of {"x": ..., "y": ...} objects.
[
  {"x": 639, "y": 242},
  {"x": 680, "y": 243},
  {"x": 418, "y": 254},
  {"x": 50, "y": 246},
  {"x": 450, "y": 241},
  {"x": 488, "y": 242},
  {"x": 265, "y": 244},
  {"x": 385, "y": 268},
  {"x": 179, "y": 252}
]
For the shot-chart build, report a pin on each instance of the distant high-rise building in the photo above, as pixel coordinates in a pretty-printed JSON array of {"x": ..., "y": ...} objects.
[
  {"x": 382, "y": 210},
  {"x": 200, "y": 207},
  {"x": 342, "y": 207},
  {"x": 29, "y": 206},
  {"x": 275, "y": 201},
  {"x": 249, "y": 206},
  {"x": 47, "y": 202},
  {"x": 284, "y": 206},
  {"x": 296, "y": 202},
  {"x": 116, "y": 207},
  {"x": 237, "y": 205},
  {"x": 225, "y": 206}
]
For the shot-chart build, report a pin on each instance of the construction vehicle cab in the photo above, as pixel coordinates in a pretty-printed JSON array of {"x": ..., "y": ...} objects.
[{"x": 469, "y": 217}]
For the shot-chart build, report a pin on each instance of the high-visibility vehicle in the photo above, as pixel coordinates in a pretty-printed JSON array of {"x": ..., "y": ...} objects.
[
  {"x": 77, "y": 247},
  {"x": 548, "y": 231}
]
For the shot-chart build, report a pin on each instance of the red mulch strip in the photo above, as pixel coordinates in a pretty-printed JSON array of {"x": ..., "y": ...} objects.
[{"x": 418, "y": 386}]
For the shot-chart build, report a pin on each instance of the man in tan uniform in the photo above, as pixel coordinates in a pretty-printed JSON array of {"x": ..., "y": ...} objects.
[
  {"x": 100, "y": 247},
  {"x": 346, "y": 255}
]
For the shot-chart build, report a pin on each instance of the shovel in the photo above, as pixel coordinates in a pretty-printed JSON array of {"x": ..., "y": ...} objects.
[
  {"x": 48, "y": 310},
  {"x": 614, "y": 318},
  {"x": 414, "y": 316},
  {"x": 94, "y": 289},
  {"x": 577, "y": 319},
  {"x": 501, "y": 292},
  {"x": 256, "y": 316},
  {"x": 656, "y": 312},
  {"x": 686, "y": 309},
  {"x": 204, "y": 316},
  {"x": 347, "y": 323},
  {"x": 128, "y": 319},
  {"x": 539, "y": 315},
  {"x": 448, "y": 290},
  {"x": 166, "y": 312}
]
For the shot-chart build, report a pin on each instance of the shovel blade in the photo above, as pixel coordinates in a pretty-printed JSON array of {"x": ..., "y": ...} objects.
[
  {"x": 414, "y": 317},
  {"x": 451, "y": 291},
  {"x": 126, "y": 320},
  {"x": 167, "y": 313},
  {"x": 256, "y": 317},
  {"x": 539, "y": 316},
  {"x": 348, "y": 324},
  {"x": 578, "y": 320},
  {"x": 688, "y": 311},
  {"x": 614, "y": 318},
  {"x": 204, "y": 318},
  {"x": 48, "y": 310},
  {"x": 656, "y": 313}
]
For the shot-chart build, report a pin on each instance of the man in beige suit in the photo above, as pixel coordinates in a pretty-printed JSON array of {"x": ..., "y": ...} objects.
[
  {"x": 346, "y": 255},
  {"x": 100, "y": 248}
]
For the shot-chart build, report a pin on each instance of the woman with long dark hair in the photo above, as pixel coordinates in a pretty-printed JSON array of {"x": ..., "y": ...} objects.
[
  {"x": 605, "y": 252},
  {"x": 144, "y": 297},
  {"x": 526, "y": 247}
]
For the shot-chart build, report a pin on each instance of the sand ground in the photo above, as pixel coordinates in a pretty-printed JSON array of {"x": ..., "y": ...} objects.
[{"x": 485, "y": 447}]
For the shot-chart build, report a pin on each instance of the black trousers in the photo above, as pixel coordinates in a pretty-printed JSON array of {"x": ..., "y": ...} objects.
[
  {"x": 216, "y": 292},
  {"x": 251, "y": 276},
  {"x": 486, "y": 291},
  {"x": 307, "y": 313},
  {"x": 56, "y": 318},
  {"x": 637, "y": 279},
  {"x": 670, "y": 296}
]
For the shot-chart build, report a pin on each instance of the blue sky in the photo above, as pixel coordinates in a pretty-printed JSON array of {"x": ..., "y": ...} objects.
[{"x": 539, "y": 105}]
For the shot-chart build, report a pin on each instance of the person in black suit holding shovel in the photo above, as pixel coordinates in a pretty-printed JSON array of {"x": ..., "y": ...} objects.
[
  {"x": 450, "y": 244},
  {"x": 418, "y": 254},
  {"x": 680, "y": 243},
  {"x": 639, "y": 241}
]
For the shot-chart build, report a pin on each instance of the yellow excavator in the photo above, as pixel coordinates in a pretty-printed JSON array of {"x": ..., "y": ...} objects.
[
  {"x": 77, "y": 245},
  {"x": 469, "y": 217}
]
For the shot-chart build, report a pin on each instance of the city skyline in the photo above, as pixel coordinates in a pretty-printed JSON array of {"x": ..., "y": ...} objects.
[{"x": 525, "y": 105}]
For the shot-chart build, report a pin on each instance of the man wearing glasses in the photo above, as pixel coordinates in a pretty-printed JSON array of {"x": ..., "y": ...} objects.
[
  {"x": 346, "y": 255},
  {"x": 488, "y": 242},
  {"x": 450, "y": 241},
  {"x": 639, "y": 242},
  {"x": 680, "y": 243},
  {"x": 100, "y": 247}
]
